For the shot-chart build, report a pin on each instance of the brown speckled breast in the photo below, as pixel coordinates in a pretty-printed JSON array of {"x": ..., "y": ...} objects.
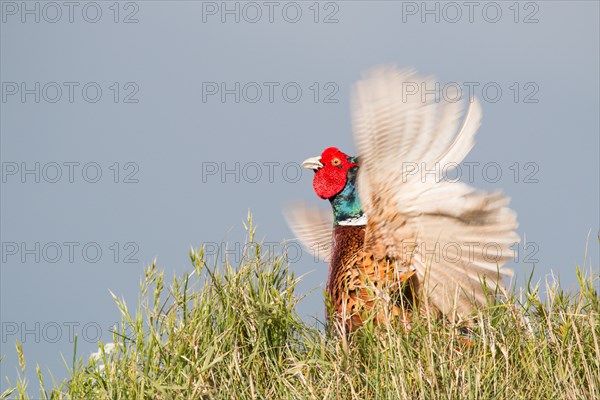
[{"x": 360, "y": 286}]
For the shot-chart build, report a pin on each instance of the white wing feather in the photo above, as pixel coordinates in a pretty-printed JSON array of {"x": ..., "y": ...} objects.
[
  {"x": 312, "y": 227},
  {"x": 399, "y": 135}
]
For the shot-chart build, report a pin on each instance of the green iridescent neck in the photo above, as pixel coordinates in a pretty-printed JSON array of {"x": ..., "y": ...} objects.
[{"x": 346, "y": 204}]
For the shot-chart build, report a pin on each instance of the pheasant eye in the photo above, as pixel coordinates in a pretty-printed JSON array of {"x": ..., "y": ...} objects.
[{"x": 336, "y": 162}]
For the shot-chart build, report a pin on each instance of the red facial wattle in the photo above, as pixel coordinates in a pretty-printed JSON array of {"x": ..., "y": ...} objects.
[{"x": 331, "y": 178}]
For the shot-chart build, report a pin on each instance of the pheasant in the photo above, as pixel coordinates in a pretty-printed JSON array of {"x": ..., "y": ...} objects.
[{"x": 398, "y": 235}]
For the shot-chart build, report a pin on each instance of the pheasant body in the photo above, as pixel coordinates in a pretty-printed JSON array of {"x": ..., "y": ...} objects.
[
  {"x": 359, "y": 283},
  {"x": 394, "y": 238}
]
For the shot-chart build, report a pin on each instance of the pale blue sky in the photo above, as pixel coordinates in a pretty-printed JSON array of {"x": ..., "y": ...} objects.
[{"x": 172, "y": 144}]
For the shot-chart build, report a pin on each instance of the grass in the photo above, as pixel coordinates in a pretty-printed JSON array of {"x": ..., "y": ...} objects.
[{"x": 232, "y": 332}]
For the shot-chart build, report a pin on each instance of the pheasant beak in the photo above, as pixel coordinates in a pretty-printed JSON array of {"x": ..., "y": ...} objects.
[{"x": 313, "y": 163}]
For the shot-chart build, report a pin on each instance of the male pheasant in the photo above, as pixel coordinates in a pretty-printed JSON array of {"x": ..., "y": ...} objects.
[{"x": 400, "y": 230}]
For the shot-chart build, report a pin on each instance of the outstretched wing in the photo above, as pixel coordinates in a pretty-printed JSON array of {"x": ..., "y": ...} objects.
[
  {"x": 312, "y": 227},
  {"x": 453, "y": 235}
]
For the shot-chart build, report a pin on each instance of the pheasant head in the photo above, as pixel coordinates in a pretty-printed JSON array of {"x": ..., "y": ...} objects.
[{"x": 335, "y": 180}]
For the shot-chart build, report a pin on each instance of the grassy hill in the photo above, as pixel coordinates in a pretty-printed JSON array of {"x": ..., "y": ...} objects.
[{"x": 232, "y": 332}]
